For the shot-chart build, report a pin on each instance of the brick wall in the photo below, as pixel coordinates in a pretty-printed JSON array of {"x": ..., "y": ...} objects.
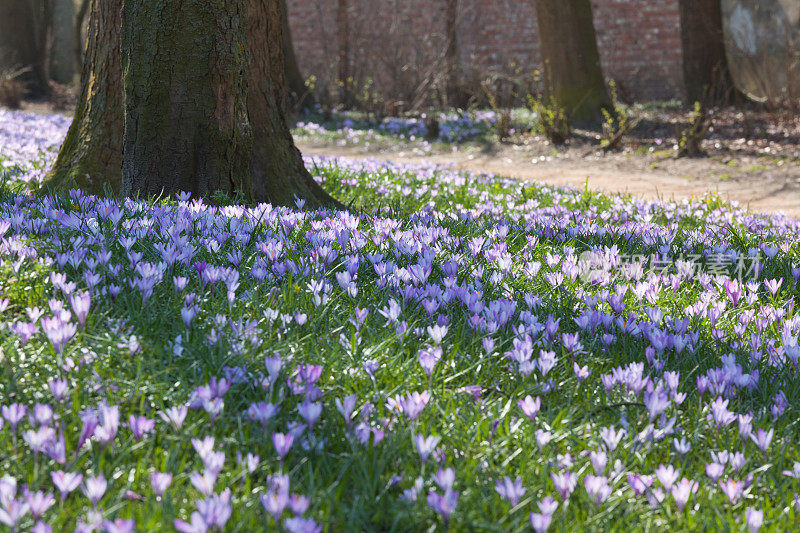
[{"x": 400, "y": 43}]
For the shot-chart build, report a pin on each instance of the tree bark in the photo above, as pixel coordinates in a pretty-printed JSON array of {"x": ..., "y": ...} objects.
[
  {"x": 185, "y": 92},
  {"x": 80, "y": 20},
  {"x": 277, "y": 170},
  {"x": 91, "y": 156},
  {"x": 706, "y": 75},
  {"x": 572, "y": 71},
  {"x": 300, "y": 97},
  {"x": 21, "y": 45},
  {"x": 62, "y": 56}
]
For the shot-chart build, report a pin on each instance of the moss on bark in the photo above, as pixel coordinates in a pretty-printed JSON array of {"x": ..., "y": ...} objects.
[{"x": 91, "y": 155}]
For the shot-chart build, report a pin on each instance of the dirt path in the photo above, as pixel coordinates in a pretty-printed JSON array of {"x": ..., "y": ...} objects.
[{"x": 762, "y": 190}]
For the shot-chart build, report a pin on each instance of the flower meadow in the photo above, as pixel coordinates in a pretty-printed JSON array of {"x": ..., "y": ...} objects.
[
  {"x": 457, "y": 351},
  {"x": 348, "y": 129}
]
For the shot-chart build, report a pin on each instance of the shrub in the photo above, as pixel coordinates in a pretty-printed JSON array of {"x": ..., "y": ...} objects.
[
  {"x": 553, "y": 119},
  {"x": 501, "y": 92},
  {"x": 690, "y": 139},
  {"x": 617, "y": 123},
  {"x": 11, "y": 88}
]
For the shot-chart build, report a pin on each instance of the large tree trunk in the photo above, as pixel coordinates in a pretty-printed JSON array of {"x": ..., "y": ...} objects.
[
  {"x": 200, "y": 118},
  {"x": 184, "y": 70},
  {"x": 706, "y": 75},
  {"x": 62, "y": 55},
  {"x": 80, "y": 39},
  {"x": 572, "y": 71},
  {"x": 91, "y": 156},
  {"x": 21, "y": 44},
  {"x": 300, "y": 97},
  {"x": 277, "y": 170}
]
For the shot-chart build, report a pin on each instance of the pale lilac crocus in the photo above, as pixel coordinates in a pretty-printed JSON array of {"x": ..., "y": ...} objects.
[
  {"x": 59, "y": 388},
  {"x": 732, "y": 489},
  {"x": 120, "y": 525},
  {"x": 346, "y": 407},
  {"x": 174, "y": 416},
  {"x": 140, "y": 426},
  {"x": 565, "y": 483},
  {"x": 714, "y": 471},
  {"x": 530, "y": 406},
  {"x": 274, "y": 502},
  {"x": 310, "y": 411},
  {"x": 14, "y": 414},
  {"x": 282, "y": 443},
  {"x": 298, "y": 503},
  {"x": 39, "y": 502},
  {"x": 445, "y": 477},
  {"x": 762, "y": 439},
  {"x": 443, "y": 504},
  {"x": 66, "y": 482},
  {"x": 298, "y": 524},
  {"x": 754, "y": 519},
  {"x": 681, "y": 492},
  {"x": 160, "y": 481},
  {"x": 428, "y": 357},
  {"x": 425, "y": 445},
  {"x": 13, "y": 512},
  {"x": 94, "y": 488},
  {"x": 80, "y": 302},
  {"x": 598, "y": 488},
  {"x": 540, "y": 522},
  {"x": 513, "y": 491}
]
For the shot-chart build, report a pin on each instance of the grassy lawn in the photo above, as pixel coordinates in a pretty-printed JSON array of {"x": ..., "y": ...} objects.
[{"x": 458, "y": 351}]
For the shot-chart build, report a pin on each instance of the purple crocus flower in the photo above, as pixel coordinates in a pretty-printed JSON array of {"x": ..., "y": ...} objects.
[
  {"x": 443, "y": 504},
  {"x": 160, "y": 481},
  {"x": 310, "y": 411},
  {"x": 565, "y": 483},
  {"x": 530, "y": 406},
  {"x": 681, "y": 492},
  {"x": 120, "y": 525},
  {"x": 754, "y": 518},
  {"x": 762, "y": 439},
  {"x": 174, "y": 416},
  {"x": 445, "y": 477},
  {"x": 413, "y": 404},
  {"x": 540, "y": 522},
  {"x": 13, "y": 414},
  {"x": 597, "y": 487},
  {"x": 298, "y": 524},
  {"x": 425, "y": 445},
  {"x": 298, "y": 503},
  {"x": 13, "y": 512},
  {"x": 140, "y": 426},
  {"x": 59, "y": 388},
  {"x": 274, "y": 502},
  {"x": 282, "y": 443},
  {"x": 39, "y": 502},
  {"x": 80, "y": 302},
  {"x": 94, "y": 488},
  {"x": 346, "y": 407},
  {"x": 66, "y": 482},
  {"x": 732, "y": 489},
  {"x": 510, "y": 490}
]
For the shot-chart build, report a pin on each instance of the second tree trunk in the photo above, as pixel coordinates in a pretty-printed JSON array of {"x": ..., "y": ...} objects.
[{"x": 572, "y": 71}]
